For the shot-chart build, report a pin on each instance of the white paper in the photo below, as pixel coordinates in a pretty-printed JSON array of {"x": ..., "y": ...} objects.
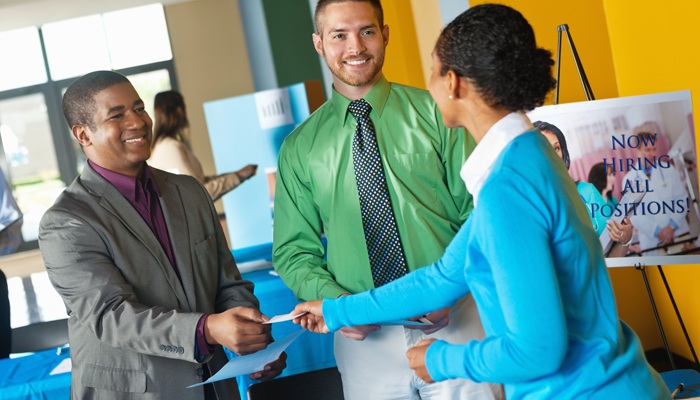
[
  {"x": 246, "y": 365},
  {"x": 63, "y": 367},
  {"x": 282, "y": 318},
  {"x": 403, "y": 322}
]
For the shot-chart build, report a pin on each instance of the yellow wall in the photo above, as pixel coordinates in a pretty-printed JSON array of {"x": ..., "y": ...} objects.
[
  {"x": 586, "y": 20},
  {"x": 428, "y": 28},
  {"x": 655, "y": 50},
  {"x": 403, "y": 62},
  {"x": 211, "y": 62}
]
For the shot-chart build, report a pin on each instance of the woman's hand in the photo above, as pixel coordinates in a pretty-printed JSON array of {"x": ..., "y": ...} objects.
[
  {"x": 247, "y": 172},
  {"x": 620, "y": 232},
  {"x": 313, "y": 319},
  {"x": 416, "y": 360}
]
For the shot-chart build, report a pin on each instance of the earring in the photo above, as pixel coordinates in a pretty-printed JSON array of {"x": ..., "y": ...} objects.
[{"x": 449, "y": 97}]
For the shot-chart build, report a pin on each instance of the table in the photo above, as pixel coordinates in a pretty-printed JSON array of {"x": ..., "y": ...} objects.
[
  {"x": 28, "y": 377},
  {"x": 310, "y": 351}
]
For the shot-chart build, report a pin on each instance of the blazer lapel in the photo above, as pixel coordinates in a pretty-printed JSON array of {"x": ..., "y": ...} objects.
[
  {"x": 113, "y": 201},
  {"x": 176, "y": 222}
]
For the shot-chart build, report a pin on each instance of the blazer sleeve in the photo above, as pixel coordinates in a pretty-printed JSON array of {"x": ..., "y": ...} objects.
[
  {"x": 81, "y": 268},
  {"x": 232, "y": 290}
]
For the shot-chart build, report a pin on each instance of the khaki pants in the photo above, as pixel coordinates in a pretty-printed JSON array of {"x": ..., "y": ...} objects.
[{"x": 377, "y": 368}]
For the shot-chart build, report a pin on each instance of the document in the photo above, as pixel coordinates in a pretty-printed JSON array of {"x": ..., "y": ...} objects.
[
  {"x": 282, "y": 318},
  {"x": 403, "y": 322},
  {"x": 255, "y": 362}
]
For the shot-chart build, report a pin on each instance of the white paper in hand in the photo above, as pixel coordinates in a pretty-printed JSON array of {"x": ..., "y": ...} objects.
[
  {"x": 403, "y": 322},
  {"x": 282, "y": 318},
  {"x": 255, "y": 362}
]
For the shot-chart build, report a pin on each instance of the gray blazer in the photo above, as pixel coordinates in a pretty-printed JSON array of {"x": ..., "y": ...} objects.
[{"x": 131, "y": 322}]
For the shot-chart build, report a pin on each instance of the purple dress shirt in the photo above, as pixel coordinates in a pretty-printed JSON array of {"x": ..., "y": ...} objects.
[{"x": 143, "y": 196}]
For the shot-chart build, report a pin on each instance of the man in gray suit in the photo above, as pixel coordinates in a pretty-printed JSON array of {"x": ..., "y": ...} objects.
[{"x": 140, "y": 259}]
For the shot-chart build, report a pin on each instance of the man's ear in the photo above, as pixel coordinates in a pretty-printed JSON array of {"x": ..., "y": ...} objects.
[
  {"x": 80, "y": 133},
  {"x": 385, "y": 34},
  {"x": 318, "y": 43}
]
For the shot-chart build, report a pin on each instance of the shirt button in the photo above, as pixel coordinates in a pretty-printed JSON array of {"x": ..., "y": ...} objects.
[
  {"x": 180, "y": 350},
  {"x": 162, "y": 347},
  {"x": 170, "y": 349},
  {"x": 200, "y": 372}
]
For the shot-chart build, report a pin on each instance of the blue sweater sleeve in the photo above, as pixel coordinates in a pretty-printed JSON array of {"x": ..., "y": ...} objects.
[
  {"x": 425, "y": 290},
  {"x": 513, "y": 225}
]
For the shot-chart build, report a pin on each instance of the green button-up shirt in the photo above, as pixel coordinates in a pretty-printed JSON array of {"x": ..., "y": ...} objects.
[{"x": 316, "y": 190}]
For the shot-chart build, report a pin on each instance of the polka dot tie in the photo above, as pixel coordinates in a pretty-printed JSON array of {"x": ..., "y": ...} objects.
[{"x": 383, "y": 243}]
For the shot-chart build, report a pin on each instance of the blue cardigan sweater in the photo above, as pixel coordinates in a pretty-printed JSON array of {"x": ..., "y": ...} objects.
[{"x": 530, "y": 257}]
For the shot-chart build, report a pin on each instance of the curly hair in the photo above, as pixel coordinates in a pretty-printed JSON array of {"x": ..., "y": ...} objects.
[
  {"x": 493, "y": 46},
  {"x": 79, "y": 104}
]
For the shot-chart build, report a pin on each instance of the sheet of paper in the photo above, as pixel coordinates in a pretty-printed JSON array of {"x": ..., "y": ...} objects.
[
  {"x": 282, "y": 318},
  {"x": 403, "y": 322},
  {"x": 255, "y": 362},
  {"x": 63, "y": 367}
]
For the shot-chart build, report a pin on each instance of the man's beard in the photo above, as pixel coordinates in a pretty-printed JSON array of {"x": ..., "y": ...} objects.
[{"x": 353, "y": 80}]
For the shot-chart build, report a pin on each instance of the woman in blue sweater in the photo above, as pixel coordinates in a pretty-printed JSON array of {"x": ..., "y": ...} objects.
[{"x": 528, "y": 252}]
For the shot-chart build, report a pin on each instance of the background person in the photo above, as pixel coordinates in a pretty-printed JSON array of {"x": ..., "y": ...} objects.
[
  {"x": 171, "y": 151},
  {"x": 377, "y": 171},
  {"x": 141, "y": 262},
  {"x": 664, "y": 186},
  {"x": 527, "y": 252},
  {"x": 604, "y": 181},
  {"x": 620, "y": 233}
]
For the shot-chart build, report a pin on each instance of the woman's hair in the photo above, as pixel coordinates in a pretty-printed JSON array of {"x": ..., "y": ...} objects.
[
  {"x": 493, "y": 46},
  {"x": 546, "y": 126},
  {"x": 170, "y": 114},
  {"x": 598, "y": 176}
]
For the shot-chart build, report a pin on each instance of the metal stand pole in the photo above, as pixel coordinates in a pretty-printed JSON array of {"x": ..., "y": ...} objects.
[
  {"x": 678, "y": 314},
  {"x": 579, "y": 66},
  {"x": 656, "y": 313}
]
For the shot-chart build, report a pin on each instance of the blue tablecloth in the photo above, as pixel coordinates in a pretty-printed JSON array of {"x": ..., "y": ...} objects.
[
  {"x": 28, "y": 377},
  {"x": 310, "y": 351}
]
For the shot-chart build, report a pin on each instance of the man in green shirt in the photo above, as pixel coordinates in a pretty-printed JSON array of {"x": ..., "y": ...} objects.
[{"x": 375, "y": 169}]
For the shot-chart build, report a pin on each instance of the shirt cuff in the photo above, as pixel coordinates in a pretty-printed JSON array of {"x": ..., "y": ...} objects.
[
  {"x": 673, "y": 224},
  {"x": 446, "y": 361},
  {"x": 331, "y": 314},
  {"x": 202, "y": 348}
]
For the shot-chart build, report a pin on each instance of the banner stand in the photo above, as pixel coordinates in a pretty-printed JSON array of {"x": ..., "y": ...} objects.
[{"x": 564, "y": 28}]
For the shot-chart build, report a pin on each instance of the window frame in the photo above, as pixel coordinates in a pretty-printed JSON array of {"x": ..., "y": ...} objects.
[{"x": 60, "y": 131}]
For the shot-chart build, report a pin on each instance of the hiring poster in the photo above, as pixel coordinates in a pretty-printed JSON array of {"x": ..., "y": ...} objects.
[{"x": 634, "y": 159}]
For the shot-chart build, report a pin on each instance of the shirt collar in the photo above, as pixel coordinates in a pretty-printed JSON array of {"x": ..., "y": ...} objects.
[
  {"x": 478, "y": 166},
  {"x": 126, "y": 185},
  {"x": 376, "y": 97}
]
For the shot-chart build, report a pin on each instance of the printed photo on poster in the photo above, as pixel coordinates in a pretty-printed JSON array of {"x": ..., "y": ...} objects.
[{"x": 634, "y": 162}]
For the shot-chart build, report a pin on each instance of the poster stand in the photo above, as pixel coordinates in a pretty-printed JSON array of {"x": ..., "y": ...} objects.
[{"x": 564, "y": 28}]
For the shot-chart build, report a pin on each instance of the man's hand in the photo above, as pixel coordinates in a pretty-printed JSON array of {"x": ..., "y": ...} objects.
[
  {"x": 271, "y": 370},
  {"x": 247, "y": 172},
  {"x": 240, "y": 329},
  {"x": 439, "y": 318},
  {"x": 416, "y": 360},
  {"x": 666, "y": 234}
]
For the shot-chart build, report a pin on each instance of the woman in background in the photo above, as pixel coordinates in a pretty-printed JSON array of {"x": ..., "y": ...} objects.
[
  {"x": 620, "y": 233},
  {"x": 171, "y": 151},
  {"x": 527, "y": 252},
  {"x": 604, "y": 181}
]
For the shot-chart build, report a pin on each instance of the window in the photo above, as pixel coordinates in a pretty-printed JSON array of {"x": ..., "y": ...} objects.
[{"x": 38, "y": 153}]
